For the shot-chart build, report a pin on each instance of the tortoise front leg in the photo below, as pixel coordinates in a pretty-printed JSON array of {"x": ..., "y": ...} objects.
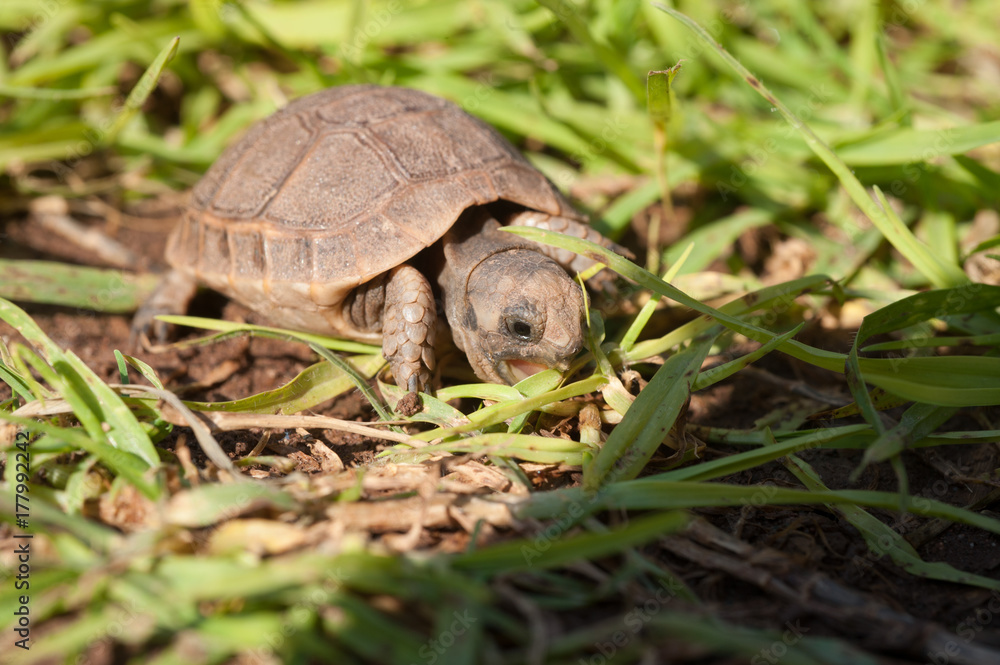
[
  {"x": 173, "y": 295},
  {"x": 408, "y": 327},
  {"x": 572, "y": 262}
]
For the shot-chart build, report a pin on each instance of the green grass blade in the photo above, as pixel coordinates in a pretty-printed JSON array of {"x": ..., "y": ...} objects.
[
  {"x": 23, "y": 369},
  {"x": 762, "y": 299},
  {"x": 933, "y": 342},
  {"x": 938, "y": 272},
  {"x": 611, "y": 59},
  {"x": 649, "y": 419},
  {"x": 903, "y": 314},
  {"x": 716, "y": 374},
  {"x": 750, "y": 459},
  {"x": 16, "y": 382},
  {"x": 653, "y": 493},
  {"x": 54, "y": 94},
  {"x": 531, "y": 555},
  {"x": 122, "y": 463},
  {"x": 102, "y": 411},
  {"x": 659, "y": 96},
  {"x": 531, "y": 448},
  {"x": 322, "y": 345},
  {"x": 929, "y": 305},
  {"x": 945, "y": 381},
  {"x": 147, "y": 372},
  {"x": 907, "y": 146},
  {"x": 919, "y": 421},
  {"x": 533, "y": 386},
  {"x": 498, "y": 413},
  {"x": 122, "y": 367},
  {"x": 333, "y": 343},
  {"x": 883, "y": 539},
  {"x": 142, "y": 90},
  {"x": 52, "y": 283},
  {"x": 642, "y": 318},
  {"x": 208, "y": 504},
  {"x": 357, "y": 378},
  {"x": 312, "y": 386}
]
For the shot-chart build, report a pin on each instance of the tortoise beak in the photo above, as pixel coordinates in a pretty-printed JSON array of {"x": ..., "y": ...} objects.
[{"x": 516, "y": 370}]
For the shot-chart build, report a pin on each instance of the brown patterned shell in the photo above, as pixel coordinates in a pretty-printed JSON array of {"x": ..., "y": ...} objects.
[{"x": 340, "y": 186}]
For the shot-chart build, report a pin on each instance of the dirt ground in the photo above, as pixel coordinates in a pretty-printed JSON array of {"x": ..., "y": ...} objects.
[{"x": 776, "y": 567}]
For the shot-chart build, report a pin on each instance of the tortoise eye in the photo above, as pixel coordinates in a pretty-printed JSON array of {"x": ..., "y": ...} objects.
[{"x": 519, "y": 329}]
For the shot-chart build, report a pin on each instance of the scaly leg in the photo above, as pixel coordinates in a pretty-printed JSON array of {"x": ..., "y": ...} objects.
[
  {"x": 408, "y": 327},
  {"x": 172, "y": 296},
  {"x": 574, "y": 263}
]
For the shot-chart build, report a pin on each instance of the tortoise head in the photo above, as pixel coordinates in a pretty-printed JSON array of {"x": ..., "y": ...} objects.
[{"x": 522, "y": 315}]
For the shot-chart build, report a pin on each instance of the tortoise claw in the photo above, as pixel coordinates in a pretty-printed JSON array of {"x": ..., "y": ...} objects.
[
  {"x": 146, "y": 331},
  {"x": 171, "y": 296}
]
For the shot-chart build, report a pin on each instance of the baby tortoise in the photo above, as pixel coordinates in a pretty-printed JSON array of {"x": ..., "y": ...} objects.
[{"x": 346, "y": 211}]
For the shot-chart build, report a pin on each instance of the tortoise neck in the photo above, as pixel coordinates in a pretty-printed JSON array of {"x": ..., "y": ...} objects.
[{"x": 472, "y": 239}]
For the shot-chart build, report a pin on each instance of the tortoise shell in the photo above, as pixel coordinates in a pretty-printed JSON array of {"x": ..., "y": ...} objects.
[{"x": 339, "y": 187}]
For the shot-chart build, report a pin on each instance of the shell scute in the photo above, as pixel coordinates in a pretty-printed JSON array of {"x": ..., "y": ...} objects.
[
  {"x": 341, "y": 177},
  {"x": 425, "y": 147},
  {"x": 374, "y": 104},
  {"x": 253, "y": 180},
  {"x": 288, "y": 256}
]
